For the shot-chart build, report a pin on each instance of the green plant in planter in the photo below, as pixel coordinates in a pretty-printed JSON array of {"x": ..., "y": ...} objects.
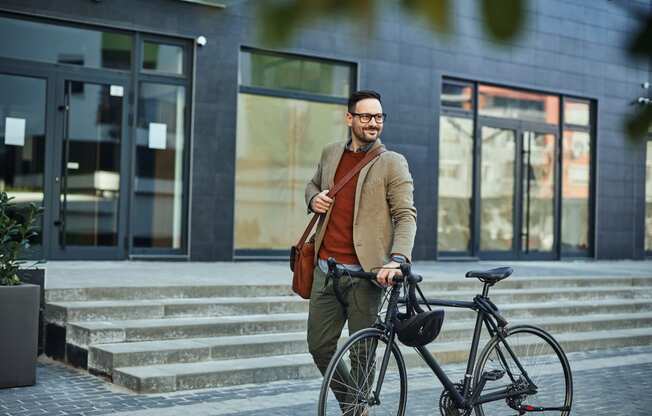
[{"x": 17, "y": 227}]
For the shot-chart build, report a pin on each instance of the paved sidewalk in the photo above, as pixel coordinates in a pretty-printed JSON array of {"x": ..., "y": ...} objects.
[
  {"x": 72, "y": 274},
  {"x": 607, "y": 382}
]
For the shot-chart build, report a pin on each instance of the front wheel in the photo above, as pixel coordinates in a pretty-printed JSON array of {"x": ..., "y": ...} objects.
[
  {"x": 536, "y": 366},
  {"x": 351, "y": 379}
]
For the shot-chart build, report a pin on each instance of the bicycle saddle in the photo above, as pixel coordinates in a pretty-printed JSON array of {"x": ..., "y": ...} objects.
[{"x": 491, "y": 275}]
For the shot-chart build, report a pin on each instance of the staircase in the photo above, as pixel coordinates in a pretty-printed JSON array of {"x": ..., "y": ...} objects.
[{"x": 172, "y": 338}]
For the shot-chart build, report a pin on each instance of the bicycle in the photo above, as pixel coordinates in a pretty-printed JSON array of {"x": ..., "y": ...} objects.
[{"x": 521, "y": 369}]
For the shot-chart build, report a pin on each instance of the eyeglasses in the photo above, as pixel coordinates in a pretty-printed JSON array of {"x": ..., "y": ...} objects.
[{"x": 366, "y": 117}]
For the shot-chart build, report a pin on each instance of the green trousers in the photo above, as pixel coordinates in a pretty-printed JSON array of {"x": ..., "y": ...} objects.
[{"x": 326, "y": 317}]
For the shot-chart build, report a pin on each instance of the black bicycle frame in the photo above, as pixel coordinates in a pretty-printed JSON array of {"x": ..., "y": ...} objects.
[{"x": 486, "y": 310}]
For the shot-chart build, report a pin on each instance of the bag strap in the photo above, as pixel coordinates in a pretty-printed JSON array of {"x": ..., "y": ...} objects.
[{"x": 371, "y": 155}]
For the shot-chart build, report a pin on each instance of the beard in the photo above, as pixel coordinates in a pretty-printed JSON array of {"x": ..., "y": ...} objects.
[{"x": 366, "y": 134}]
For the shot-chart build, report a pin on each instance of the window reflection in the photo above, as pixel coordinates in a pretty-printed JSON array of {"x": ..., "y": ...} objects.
[
  {"x": 158, "y": 185},
  {"x": 22, "y": 139},
  {"x": 497, "y": 189},
  {"x": 576, "y": 164},
  {"x": 264, "y": 70},
  {"x": 23, "y": 39},
  {"x": 576, "y": 112},
  {"x": 457, "y": 96},
  {"x": 517, "y": 104},
  {"x": 455, "y": 183},
  {"x": 163, "y": 58},
  {"x": 648, "y": 197},
  {"x": 279, "y": 143},
  {"x": 538, "y": 191},
  {"x": 92, "y": 184}
]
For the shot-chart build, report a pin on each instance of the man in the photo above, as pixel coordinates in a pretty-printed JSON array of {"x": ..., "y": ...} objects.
[{"x": 371, "y": 223}]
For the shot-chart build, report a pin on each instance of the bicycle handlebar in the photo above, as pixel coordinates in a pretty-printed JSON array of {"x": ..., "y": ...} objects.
[{"x": 338, "y": 270}]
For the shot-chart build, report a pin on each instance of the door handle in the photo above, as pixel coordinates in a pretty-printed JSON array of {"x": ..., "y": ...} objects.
[{"x": 58, "y": 223}]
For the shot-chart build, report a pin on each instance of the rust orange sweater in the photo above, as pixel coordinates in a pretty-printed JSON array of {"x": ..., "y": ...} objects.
[{"x": 338, "y": 240}]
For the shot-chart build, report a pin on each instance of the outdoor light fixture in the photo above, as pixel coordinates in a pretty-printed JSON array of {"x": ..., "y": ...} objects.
[
  {"x": 645, "y": 85},
  {"x": 201, "y": 40}
]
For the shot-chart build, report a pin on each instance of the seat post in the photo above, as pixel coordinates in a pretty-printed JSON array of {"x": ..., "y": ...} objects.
[{"x": 485, "y": 289}]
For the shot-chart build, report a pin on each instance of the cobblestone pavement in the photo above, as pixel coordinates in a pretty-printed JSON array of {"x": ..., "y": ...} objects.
[{"x": 606, "y": 382}]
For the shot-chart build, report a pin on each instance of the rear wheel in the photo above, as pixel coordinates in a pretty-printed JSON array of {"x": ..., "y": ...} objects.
[
  {"x": 544, "y": 375},
  {"x": 352, "y": 376}
]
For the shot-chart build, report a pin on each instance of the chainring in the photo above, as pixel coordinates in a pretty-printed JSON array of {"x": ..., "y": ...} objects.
[{"x": 447, "y": 405}]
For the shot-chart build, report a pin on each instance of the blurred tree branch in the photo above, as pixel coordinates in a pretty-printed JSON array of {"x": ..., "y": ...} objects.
[{"x": 502, "y": 21}]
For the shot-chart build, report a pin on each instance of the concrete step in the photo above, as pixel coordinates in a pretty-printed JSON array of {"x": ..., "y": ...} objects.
[
  {"x": 188, "y": 376},
  {"x": 60, "y": 313},
  {"x": 83, "y": 334},
  {"x": 431, "y": 283},
  {"x": 103, "y": 358}
]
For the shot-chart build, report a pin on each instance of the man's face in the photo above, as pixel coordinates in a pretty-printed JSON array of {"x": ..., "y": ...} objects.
[{"x": 365, "y": 132}]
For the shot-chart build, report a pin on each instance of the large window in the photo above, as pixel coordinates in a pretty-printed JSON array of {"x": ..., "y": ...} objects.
[
  {"x": 288, "y": 108},
  {"x": 38, "y": 41},
  {"x": 576, "y": 175},
  {"x": 22, "y": 139},
  {"x": 455, "y": 167},
  {"x": 502, "y": 190},
  {"x": 160, "y": 182}
]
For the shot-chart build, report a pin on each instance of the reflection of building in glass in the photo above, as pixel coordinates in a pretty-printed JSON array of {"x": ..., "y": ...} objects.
[
  {"x": 648, "y": 197},
  {"x": 279, "y": 140},
  {"x": 516, "y": 190}
]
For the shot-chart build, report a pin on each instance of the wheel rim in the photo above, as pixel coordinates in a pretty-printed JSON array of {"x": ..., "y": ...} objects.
[
  {"x": 544, "y": 367},
  {"x": 355, "y": 378}
]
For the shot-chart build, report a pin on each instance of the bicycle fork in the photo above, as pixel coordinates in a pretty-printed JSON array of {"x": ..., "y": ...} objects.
[{"x": 391, "y": 335}]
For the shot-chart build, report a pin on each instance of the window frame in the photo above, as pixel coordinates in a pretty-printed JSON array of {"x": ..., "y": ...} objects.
[
  {"x": 75, "y": 25},
  {"x": 140, "y": 76},
  {"x": 518, "y": 125},
  {"x": 243, "y": 254}
]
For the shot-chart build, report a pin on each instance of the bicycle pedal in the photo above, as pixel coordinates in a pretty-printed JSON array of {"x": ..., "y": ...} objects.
[{"x": 494, "y": 375}]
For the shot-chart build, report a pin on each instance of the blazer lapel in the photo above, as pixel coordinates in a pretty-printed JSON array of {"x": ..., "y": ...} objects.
[
  {"x": 361, "y": 178},
  {"x": 331, "y": 163}
]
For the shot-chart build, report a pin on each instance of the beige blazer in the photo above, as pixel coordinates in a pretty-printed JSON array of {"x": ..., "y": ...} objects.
[{"x": 384, "y": 217}]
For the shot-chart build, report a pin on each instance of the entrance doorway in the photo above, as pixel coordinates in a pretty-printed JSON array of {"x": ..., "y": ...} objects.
[
  {"x": 89, "y": 189},
  {"x": 518, "y": 195}
]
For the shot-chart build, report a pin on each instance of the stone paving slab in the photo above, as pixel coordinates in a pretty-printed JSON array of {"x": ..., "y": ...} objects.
[
  {"x": 80, "y": 274},
  {"x": 607, "y": 383}
]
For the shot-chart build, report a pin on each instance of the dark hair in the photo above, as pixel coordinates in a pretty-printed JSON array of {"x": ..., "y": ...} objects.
[{"x": 361, "y": 95}]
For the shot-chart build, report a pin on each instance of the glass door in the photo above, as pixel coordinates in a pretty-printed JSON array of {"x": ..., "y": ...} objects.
[
  {"x": 537, "y": 194},
  {"x": 90, "y": 179},
  {"x": 517, "y": 203},
  {"x": 497, "y": 192}
]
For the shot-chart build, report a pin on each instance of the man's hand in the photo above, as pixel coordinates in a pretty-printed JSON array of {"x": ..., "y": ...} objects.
[
  {"x": 321, "y": 203},
  {"x": 386, "y": 274}
]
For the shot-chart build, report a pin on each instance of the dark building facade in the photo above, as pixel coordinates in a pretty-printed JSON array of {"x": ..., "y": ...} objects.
[{"x": 170, "y": 129}]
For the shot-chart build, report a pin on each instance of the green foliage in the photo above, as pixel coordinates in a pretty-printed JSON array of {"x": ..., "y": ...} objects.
[{"x": 17, "y": 227}]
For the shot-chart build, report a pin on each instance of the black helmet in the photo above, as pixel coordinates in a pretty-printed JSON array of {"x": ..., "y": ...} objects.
[{"x": 420, "y": 329}]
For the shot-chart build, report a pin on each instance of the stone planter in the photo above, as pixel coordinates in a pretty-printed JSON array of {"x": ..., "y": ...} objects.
[
  {"x": 37, "y": 277},
  {"x": 19, "y": 311}
]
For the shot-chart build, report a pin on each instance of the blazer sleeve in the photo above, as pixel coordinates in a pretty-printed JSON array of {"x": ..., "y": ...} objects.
[
  {"x": 400, "y": 190},
  {"x": 313, "y": 187}
]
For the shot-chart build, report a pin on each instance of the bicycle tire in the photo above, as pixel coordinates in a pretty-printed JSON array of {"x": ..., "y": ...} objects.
[
  {"x": 356, "y": 396},
  {"x": 543, "y": 360}
]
